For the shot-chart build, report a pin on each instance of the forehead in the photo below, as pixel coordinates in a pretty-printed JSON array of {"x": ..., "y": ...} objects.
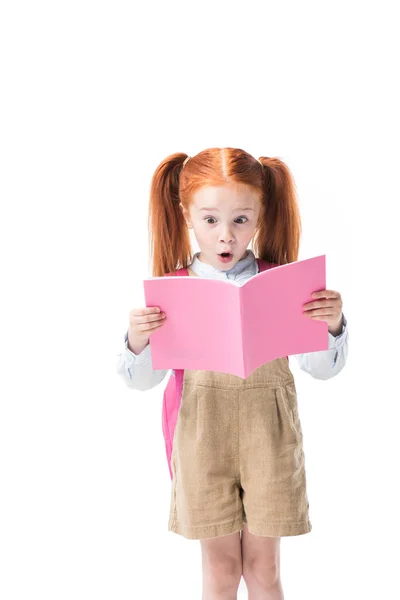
[{"x": 238, "y": 196}]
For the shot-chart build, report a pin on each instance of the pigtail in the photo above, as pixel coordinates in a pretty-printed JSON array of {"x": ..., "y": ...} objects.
[
  {"x": 169, "y": 240},
  {"x": 277, "y": 237}
]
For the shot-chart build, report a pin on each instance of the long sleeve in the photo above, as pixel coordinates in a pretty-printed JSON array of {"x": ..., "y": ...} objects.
[
  {"x": 325, "y": 364},
  {"x": 136, "y": 370}
]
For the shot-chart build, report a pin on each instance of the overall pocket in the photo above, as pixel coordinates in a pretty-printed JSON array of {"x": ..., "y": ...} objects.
[{"x": 288, "y": 396}]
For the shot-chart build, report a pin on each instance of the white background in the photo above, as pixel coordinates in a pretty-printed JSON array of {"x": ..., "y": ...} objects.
[{"x": 93, "y": 97}]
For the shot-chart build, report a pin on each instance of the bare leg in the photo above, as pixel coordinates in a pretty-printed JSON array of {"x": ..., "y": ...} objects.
[
  {"x": 222, "y": 566},
  {"x": 261, "y": 566}
]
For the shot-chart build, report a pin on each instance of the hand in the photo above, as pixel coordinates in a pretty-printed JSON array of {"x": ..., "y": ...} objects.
[
  {"x": 328, "y": 310},
  {"x": 142, "y": 323}
]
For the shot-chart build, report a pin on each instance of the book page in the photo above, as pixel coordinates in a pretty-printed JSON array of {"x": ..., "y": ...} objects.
[
  {"x": 202, "y": 327},
  {"x": 273, "y": 321}
]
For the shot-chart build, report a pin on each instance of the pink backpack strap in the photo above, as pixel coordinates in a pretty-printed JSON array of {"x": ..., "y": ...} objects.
[
  {"x": 183, "y": 272},
  {"x": 172, "y": 398},
  {"x": 263, "y": 265}
]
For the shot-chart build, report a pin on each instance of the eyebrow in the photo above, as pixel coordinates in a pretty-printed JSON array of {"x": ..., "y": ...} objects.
[{"x": 240, "y": 209}]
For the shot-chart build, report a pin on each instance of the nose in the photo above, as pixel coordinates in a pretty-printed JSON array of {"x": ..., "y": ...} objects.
[{"x": 226, "y": 236}]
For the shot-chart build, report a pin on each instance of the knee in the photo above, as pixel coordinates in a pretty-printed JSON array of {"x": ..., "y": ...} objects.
[
  {"x": 263, "y": 573},
  {"x": 223, "y": 574}
]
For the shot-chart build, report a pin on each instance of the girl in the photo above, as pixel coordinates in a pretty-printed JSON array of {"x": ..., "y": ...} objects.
[{"x": 237, "y": 464}]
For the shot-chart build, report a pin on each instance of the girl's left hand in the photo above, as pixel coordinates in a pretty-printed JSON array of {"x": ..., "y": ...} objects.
[{"x": 329, "y": 310}]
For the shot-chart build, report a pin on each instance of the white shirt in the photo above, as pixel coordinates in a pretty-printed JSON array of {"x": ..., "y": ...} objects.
[{"x": 137, "y": 371}]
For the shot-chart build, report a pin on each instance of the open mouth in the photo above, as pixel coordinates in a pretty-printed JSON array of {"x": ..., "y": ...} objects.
[{"x": 225, "y": 256}]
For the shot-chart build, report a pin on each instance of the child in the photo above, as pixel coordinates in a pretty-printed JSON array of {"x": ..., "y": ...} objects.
[{"x": 237, "y": 460}]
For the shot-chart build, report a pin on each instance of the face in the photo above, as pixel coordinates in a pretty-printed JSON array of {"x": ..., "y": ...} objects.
[{"x": 223, "y": 219}]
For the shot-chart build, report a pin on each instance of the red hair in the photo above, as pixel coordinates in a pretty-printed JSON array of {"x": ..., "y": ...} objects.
[{"x": 277, "y": 236}]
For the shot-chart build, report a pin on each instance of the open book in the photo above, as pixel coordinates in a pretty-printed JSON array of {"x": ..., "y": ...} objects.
[{"x": 220, "y": 325}]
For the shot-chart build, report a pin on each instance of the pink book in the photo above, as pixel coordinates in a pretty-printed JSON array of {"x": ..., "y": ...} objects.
[{"x": 219, "y": 325}]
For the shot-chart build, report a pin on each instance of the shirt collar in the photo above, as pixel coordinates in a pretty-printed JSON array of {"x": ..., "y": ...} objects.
[{"x": 204, "y": 270}]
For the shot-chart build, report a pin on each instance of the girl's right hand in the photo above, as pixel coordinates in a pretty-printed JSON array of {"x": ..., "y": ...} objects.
[{"x": 142, "y": 323}]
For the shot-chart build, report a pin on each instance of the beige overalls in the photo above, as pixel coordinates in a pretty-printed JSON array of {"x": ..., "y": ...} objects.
[{"x": 238, "y": 455}]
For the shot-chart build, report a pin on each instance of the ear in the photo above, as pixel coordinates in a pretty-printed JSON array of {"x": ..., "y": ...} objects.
[{"x": 186, "y": 216}]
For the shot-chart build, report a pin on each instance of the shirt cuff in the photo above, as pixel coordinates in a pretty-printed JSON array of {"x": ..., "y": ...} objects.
[
  {"x": 338, "y": 340},
  {"x": 137, "y": 359}
]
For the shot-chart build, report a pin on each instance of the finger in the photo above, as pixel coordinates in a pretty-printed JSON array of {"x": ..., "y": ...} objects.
[
  {"x": 325, "y": 294},
  {"x": 150, "y": 318},
  {"x": 322, "y": 315},
  {"x": 325, "y": 310},
  {"x": 149, "y": 326},
  {"x": 320, "y": 303},
  {"x": 139, "y": 312},
  {"x": 155, "y": 328}
]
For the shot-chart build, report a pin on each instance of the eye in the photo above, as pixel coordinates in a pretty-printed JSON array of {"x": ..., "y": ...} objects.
[{"x": 208, "y": 218}]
